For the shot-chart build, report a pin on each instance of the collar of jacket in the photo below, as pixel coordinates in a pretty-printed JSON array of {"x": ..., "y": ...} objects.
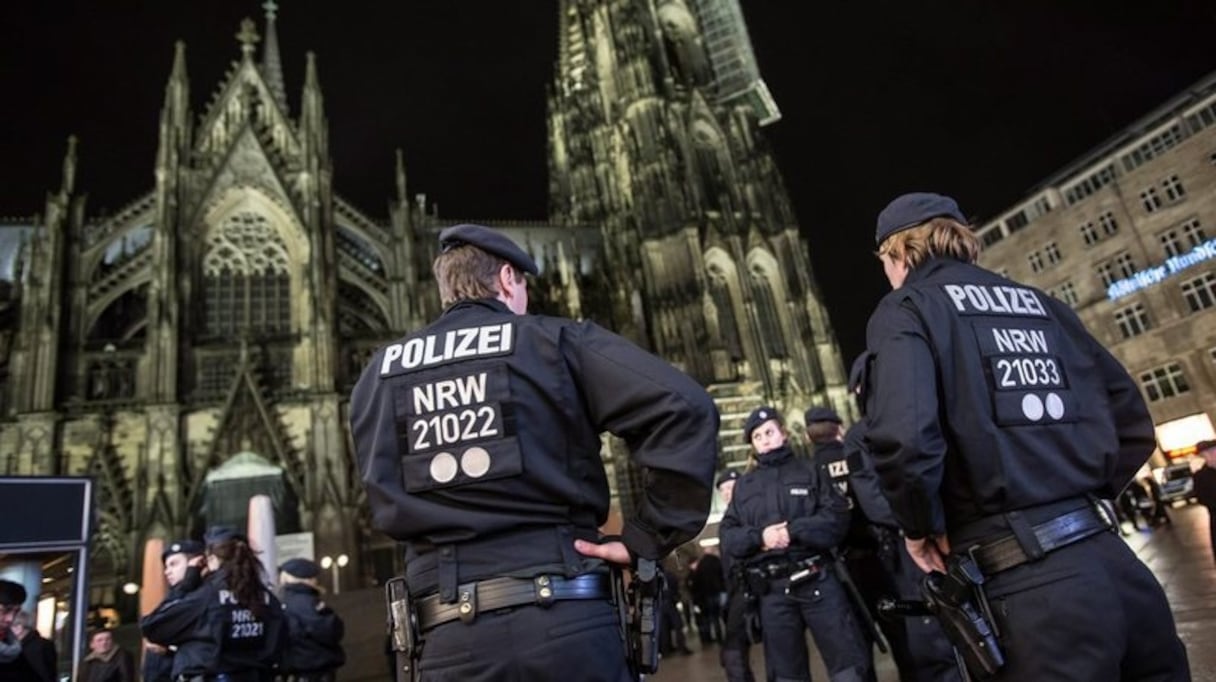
[
  {"x": 491, "y": 303},
  {"x": 775, "y": 457},
  {"x": 929, "y": 267}
]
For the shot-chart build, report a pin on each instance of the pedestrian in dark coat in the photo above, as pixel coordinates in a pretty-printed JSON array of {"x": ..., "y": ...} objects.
[{"x": 314, "y": 649}]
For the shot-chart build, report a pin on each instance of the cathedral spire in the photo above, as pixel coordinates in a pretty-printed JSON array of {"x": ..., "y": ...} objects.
[
  {"x": 401, "y": 186},
  {"x": 247, "y": 37},
  {"x": 272, "y": 65},
  {"x": 69, "y": 168}
]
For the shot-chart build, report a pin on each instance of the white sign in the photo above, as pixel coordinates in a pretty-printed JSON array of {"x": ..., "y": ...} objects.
[
  {"x": 1146, "y": 278},
  {"x": 295, "y": 546}
]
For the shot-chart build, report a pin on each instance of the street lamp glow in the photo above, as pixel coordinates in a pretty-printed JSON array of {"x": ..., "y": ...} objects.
[
  {"x": 343, "y": 560},
  {"x": 130, "y": 588},
  {"x": 326, "y": 562}
]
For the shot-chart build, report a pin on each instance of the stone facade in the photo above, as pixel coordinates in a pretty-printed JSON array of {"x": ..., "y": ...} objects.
[
  {"x": 1127, "y": 236},
  {"x": 219, "y": 320}
]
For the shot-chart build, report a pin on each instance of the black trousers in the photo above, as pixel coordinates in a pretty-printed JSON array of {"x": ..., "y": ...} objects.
[
  {"x": 735, "y": 643},
  {"x": 918, "y": 645},
  {"x": 568, "y": 640},
  {"x": 820, "y": 604},
  {"x": 1090, "y": 612}
]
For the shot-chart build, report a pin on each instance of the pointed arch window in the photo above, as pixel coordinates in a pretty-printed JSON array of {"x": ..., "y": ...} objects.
[
  {"x": 719, "y": 290},
  {"x": 246, "y": 285},
  {"x": 768, "y": 317}
]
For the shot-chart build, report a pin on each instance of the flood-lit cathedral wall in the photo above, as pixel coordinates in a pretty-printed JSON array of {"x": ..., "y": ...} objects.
[{"x": 198, "y": 346}]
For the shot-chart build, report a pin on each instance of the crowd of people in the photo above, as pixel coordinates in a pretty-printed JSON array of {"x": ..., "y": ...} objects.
[{"x": 219, "y": 621}]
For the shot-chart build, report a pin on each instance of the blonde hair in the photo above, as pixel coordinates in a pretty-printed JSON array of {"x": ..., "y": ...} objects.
[
  {"x": 466, "y": 272},
  {"x": 937, "y": 237}
]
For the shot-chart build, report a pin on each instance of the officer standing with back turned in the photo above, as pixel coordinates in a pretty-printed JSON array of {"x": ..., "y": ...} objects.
[
  {"x": 994, "y": 419},
  {"x": 478, "y": 440}
]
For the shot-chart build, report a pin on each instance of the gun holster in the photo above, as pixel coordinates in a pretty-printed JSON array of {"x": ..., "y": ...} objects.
[
  {"x": 957, "y": 599},
  {"x": 403, "y": 629},
  {"x": 639, "y": 605}
]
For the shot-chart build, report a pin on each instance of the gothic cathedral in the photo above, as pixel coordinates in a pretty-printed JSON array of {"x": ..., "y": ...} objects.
[{"x": 198, "y": 346}]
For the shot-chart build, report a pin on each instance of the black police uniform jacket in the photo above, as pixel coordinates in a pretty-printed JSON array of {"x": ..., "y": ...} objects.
[
  {"x": 214, "y": 634},
  {"x": 987, "y": 396},
  {"x": 487, "y": 424},
  {"x": 783, "y": 488},
  {"x": 315, "y": 643},
  {"x": 159, "y": 667}
]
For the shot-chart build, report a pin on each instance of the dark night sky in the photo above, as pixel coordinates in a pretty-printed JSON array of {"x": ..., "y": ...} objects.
[{"x": 977, "y": 99}]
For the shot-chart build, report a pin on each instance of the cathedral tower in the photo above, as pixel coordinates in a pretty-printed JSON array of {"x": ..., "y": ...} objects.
[{"x": 655, "y": 135}]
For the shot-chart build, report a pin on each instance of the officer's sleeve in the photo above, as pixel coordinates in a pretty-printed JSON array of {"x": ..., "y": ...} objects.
[
  {"x": 172, "y": 621},
  {"x": 828, "y": 526},
  {"x": 1133, "y": 422},
  {"x": 905, "y": 433},
  {"x": 669, "y": 423},
  {"x": 738, "y": 539},
  {"x": 864, "y": 481}
]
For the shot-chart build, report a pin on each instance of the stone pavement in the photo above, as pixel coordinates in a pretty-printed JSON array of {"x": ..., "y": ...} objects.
[{"x": 1179, "y": 555}]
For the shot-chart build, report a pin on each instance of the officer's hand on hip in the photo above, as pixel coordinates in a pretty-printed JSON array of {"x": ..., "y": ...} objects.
[
  {"x": 929, "y": 552},
  {"x": 776, "y": 536},
  {"x": 614, "y": 552}
]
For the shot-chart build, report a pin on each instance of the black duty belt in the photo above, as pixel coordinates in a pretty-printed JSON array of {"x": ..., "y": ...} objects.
[
  {"x": 502, "y": 593},
  {"x": 1007, "y": 552},
  {"x": 777, "y": 569}
]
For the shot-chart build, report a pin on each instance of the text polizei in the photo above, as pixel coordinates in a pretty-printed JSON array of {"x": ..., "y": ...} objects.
[
  {"x": 441, "y": 347},
  {"x": 999, "y": 299}
]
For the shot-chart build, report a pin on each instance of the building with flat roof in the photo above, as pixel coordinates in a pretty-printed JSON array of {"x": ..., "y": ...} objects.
[{"x": 1126, "y": 235}]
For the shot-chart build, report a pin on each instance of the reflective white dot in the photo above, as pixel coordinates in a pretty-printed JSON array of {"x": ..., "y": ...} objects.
[
  {"x": 443, "y": 467},
  {"x": 1032, "y": 407},
  {"x": 1055, "y": 406},
  {"x": 475, "y": 462}
]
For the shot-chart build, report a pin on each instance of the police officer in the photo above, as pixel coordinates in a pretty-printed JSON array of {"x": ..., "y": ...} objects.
[
  {"x": 478, "y": 440},
  {"x": 230, "y": 628},
  {"x": 183, "y": 561},
  {"x": 874, "y": 550},
  {"x": 736, "y": 641},
  {"x": 993, "y": 415},
  {"x": 314, "y": 652},
  {"x": 783, "y": 522}
]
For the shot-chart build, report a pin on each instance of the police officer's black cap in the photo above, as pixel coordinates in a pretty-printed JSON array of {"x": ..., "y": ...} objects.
[
  {"x": 728, "y": 475},
  {"x": 301, "y": 568},
  {"x": 490, "y": 241},
  {"x": 822, "y": 414},
  {"x": 1205, "y": 445},
  {"x": 187, "y": 547},
  {"x": 11, "y": 593},
  {"x": 218, "y": 534},
  {"x": 909, "y": 210},
  {"x": 758, "y": 417}
]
